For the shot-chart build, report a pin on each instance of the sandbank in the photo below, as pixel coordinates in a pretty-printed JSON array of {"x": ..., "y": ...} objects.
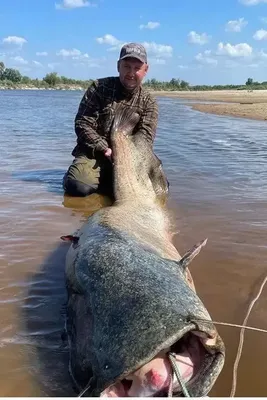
[{"x": 237, "y": 103}]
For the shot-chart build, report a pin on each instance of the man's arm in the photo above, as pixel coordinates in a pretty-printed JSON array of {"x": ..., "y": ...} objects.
[
  {"x": 148, "y": 122},
  {"x": 86, "y": 120}
]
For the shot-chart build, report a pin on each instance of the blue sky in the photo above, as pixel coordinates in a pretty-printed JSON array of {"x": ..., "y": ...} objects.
[{"x": 200, "y": 41}]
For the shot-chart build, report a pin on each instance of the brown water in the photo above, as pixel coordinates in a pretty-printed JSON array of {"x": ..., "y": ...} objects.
[{"x": 217, "y": 172}]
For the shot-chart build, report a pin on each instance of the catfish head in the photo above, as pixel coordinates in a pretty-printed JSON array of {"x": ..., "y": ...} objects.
[{"x": 147, "y": 324}]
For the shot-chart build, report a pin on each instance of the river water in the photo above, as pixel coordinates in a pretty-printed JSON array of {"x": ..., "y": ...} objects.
[{"x": 218, "y": 183}]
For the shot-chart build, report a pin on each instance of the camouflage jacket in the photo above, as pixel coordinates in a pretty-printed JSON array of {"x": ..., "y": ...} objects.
[{"x": 96, "y": 112}]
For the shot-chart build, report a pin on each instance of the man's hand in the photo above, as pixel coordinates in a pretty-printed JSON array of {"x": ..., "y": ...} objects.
[{"x": 108, "y": 154}]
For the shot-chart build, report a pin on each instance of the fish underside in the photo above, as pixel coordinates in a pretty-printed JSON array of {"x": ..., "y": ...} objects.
[{"x": 131, "y": 301}]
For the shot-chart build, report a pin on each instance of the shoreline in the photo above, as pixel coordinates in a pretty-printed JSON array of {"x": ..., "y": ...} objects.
[
  {"x": 257, "y": 111},
  {"x": 232, "y": 103}
]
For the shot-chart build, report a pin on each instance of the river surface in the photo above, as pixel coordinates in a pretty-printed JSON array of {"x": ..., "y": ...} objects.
[{"x": 217, "y": 168}]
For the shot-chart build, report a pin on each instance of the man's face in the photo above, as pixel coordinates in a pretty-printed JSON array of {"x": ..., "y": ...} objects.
[{"x": 131, "y": 72}]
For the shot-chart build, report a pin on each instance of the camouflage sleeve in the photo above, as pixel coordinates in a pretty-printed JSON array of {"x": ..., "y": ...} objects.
[
  {"x": 148, "y": 122},
  {"x": 86, "y": 120}
]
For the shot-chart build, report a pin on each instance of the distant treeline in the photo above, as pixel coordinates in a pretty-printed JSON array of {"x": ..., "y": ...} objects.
[
  {"x": 12, "y": 78},
  {"x": 177, "y": 84}
]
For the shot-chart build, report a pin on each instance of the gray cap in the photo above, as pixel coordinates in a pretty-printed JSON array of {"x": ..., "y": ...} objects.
[{"x": 134, "y": 50}]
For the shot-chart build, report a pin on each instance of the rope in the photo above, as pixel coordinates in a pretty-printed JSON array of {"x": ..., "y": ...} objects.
[
  {"x": 178, "y": 376},
  {"x": 170, "y": 390},
  {"x": 241, "y": 340},
  {"x": 228, "y": 324},
  {"x": 242, "y": 332},
  {"x": 85, "y": 389}
]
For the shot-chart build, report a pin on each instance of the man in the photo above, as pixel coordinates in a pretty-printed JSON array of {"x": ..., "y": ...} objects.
[{"x": 91, "y": 169}]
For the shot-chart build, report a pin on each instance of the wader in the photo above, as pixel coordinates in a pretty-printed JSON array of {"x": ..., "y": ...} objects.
[{"x": 86, "y": 176}]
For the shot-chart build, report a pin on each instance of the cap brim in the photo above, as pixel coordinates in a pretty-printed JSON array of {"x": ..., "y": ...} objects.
[{"x": 133, "y": 56}]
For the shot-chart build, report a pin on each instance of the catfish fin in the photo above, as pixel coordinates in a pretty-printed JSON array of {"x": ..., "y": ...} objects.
[
  {"x": 191, "y": 254},
  {"x": 125, "y": 120},
  {"x": 70, "y": 238}
]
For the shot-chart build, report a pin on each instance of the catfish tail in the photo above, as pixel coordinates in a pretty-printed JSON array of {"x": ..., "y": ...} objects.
[
  {"x": 131, "y": 180},
  {"x": 137, "y": 168},
  {"x": 124, "y": 122}
]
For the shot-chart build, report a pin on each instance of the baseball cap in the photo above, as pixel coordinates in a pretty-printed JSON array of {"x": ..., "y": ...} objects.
[{"x": 134, "y": 50}]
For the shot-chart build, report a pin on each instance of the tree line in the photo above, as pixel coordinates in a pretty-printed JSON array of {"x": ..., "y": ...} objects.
[
  {"x": 13, "y": 77},
  {"x": 10, "y": 77}
]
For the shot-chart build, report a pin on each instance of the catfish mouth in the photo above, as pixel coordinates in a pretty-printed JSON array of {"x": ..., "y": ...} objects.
[{"x": 194, "y": 357}]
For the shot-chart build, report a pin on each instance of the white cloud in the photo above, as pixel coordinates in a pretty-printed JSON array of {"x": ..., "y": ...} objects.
[
  {"x": 108, "y": 39},
  {"x": 15, "y": 40},
  {"x": 204, "y": 58},
  {"x": 158, "y": 50},
  {"x": 112, "y": 41},
  {"x": 238, "y": 50},
  {"x": 69, "y": 4},
  {"x": 155, "y": 51},
  {"x": 42, "y": 53},
  {"x": 80, "y": 56},
  {"x": 262, "y": 55},
  {"x": 197, "y": 38},
  {"x": 82, "y": 59},
  {"x": 37, "y": 63},
  {"x": 229, "y": 56},
  {"x": 182, "y": 66},
  {"x": 19, "y": 60},
  {"x": 69, "y": 53},
  {"x": 252, "y": 2},
  {"x": 150, "y": 25},
  {"x": 261, "y": 34},
  {"x": 235, "y": 25}
]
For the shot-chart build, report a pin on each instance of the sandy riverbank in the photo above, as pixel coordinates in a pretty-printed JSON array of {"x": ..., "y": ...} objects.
[
  {"x": 245, "y": 104},
  {"x": 251, "y": 111},
  {"x": 232, "y": 96}
]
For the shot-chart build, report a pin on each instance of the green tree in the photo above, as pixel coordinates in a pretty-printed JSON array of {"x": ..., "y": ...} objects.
[
  {"x": 2, "y": 69},
  {"x": 184, "y": 85},
  {"x": 249, "y": 81},
  {"x": 65, "y": 80},
  {"x": 52, "y": 79},
  {"x": 175, "y": 83},
  {"x": 25, "y": 80},
  {"x": 12, "y": 75}
]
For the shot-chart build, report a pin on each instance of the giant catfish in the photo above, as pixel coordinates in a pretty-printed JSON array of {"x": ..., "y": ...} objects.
[{"x": 134, "y": 321}]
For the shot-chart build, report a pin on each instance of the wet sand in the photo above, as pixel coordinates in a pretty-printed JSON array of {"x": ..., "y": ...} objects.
[{"x": 244, "y": 104}]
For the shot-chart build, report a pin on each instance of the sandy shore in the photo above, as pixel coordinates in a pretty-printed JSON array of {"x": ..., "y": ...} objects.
[
  {"x": 251, "y": 111},
  {"x": 245, "y": 104}
]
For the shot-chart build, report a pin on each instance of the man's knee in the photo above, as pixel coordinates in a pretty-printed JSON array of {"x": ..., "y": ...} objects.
[
  {"x": 82, "y": 177},
  {"x": 76, "y": 188}
]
